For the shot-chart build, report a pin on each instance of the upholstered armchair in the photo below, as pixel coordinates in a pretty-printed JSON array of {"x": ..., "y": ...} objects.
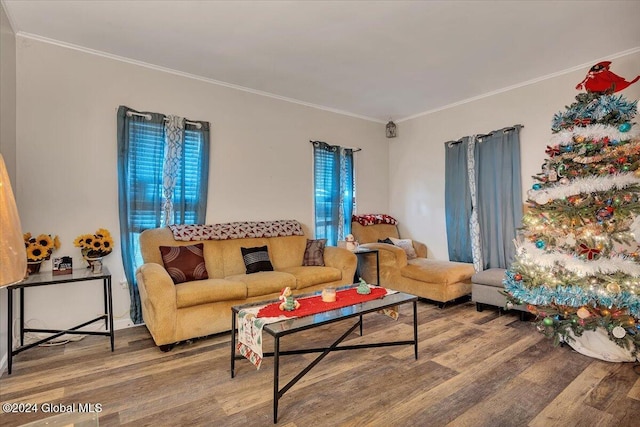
[{"x": 436, "y": 280}]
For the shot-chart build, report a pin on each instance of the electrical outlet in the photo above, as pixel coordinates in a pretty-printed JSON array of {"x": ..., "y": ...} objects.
[{"x": 124, "y": 284}]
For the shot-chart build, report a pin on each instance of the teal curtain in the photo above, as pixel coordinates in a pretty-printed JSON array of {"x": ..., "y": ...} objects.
[
  {"x": 347, "y": 189},
  {"x": 483, "y": 197},
  {"x": 499, "y": 194},
  {"x": 457, "y": 200},
  {"x": 333, "y": 191},
  {"x": 141, "y": 165}
]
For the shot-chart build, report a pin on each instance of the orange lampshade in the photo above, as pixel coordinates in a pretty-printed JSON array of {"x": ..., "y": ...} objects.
[{"x": 13, "y": 255}]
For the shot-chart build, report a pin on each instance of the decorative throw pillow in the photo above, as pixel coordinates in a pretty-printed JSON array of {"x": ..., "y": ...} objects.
[
  {"x": 314, "y": 253},
  {"x": 387, "y": 240},
  {"x": 184, "y": 263},
  {"x": 407, "y": 245},
  {"x": 256, "y": 259}
]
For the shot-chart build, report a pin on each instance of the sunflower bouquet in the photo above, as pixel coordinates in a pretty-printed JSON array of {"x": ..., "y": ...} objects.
[
  {"x": 95, "y": 245},
  {"x": 40, "y": 248}
]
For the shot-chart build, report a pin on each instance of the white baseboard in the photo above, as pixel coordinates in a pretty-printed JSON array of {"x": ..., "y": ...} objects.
[
  {"x": 117, "y": 324},
  {"x": 123, "y": 324}
]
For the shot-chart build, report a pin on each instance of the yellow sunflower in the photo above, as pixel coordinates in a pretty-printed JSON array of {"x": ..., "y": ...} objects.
[
  {"x": 96, "y": 244},
  {"x": 103, "y": 232},
  {"x": 107, "y": 244},
  {"x": 36, "y": 253},
  {"x": 84, "y": 241},
  {"x": 78, "y": 242},
  {"x": 45, "y": 241},
  {"x": 56, "y": 242}
]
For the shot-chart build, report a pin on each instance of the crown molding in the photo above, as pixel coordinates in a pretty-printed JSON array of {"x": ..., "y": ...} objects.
[
  {"x": 308, "y": 104},
  {"x": 526, "y": 83},
  {"x": 191, "y": 76}
]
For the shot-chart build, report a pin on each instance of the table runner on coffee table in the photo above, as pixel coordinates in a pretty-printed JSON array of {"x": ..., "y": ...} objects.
[{"x": 251, "y": 320}]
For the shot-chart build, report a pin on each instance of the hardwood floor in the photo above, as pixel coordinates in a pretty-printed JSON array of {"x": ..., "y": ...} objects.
[{"x": 474, "y": 369}]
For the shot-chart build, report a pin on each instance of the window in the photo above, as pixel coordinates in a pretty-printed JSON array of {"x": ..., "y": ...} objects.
[
  {"x": 334, "y": 191},
  {"x": 141, "y": 173}
]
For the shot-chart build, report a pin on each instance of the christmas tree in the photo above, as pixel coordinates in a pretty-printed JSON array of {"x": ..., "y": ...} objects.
[{"x": 577, "y": 266}]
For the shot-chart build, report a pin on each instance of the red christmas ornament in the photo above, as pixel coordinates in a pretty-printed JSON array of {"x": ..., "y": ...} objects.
[
  {"x": 600, "y": 79},
  {"x": 552, "y": 151},
  {"x": 518, "y": 277},
  {"x": 581, "y": 122},
  {"x": 590, "y": 253}
]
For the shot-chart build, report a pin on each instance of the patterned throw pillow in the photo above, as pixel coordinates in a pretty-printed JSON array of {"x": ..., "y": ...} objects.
[
  {"x": 314, "y": 253},
  {"x": 407, "y": 245},
  {"x": 387, "y": 240},
  {"x": 184, "y": 263},
  {"x": 256, "y": 259}
]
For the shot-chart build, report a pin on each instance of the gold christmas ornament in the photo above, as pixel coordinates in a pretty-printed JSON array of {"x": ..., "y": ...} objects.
[
  {"x": 614, "y": 288},
  {"x": 583, "y": 313}
]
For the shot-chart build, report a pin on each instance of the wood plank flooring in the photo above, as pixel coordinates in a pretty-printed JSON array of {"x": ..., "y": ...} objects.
[{"x": 474, "y": 369}]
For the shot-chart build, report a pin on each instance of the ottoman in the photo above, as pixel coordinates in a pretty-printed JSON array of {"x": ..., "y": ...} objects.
[{"x": 485, "y": 289}]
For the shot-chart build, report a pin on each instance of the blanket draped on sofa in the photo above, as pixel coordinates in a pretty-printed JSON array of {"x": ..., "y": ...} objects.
[{"x": 236, "y": 230}]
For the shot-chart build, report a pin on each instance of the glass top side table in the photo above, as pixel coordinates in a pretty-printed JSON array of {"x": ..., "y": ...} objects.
[{"x": 48, "y": 279}]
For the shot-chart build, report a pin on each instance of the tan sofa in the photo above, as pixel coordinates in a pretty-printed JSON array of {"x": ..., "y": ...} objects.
[
  {"x": 436, "y": 280},
  {"x": 187, "y": 310}
]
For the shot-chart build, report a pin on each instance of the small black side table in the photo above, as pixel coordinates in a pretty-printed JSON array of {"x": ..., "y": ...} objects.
[
  {"x": 46, "y": 279},
  {"x": 360, "y": 253}
]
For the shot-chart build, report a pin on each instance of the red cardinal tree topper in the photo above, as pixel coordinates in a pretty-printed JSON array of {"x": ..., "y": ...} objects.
[{"x": 600, "y": 79}]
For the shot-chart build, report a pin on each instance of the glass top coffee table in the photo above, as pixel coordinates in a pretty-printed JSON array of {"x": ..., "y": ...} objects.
[{"x": 293, "y": 325}]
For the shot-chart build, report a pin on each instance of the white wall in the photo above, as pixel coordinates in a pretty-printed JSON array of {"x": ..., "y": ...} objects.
[
  {"x": 260, "y": 165},
  {"x": 416, "y": 157}
]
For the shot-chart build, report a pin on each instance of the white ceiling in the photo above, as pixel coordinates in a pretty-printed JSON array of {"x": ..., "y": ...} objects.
[{"x": 372, "y": 59}]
